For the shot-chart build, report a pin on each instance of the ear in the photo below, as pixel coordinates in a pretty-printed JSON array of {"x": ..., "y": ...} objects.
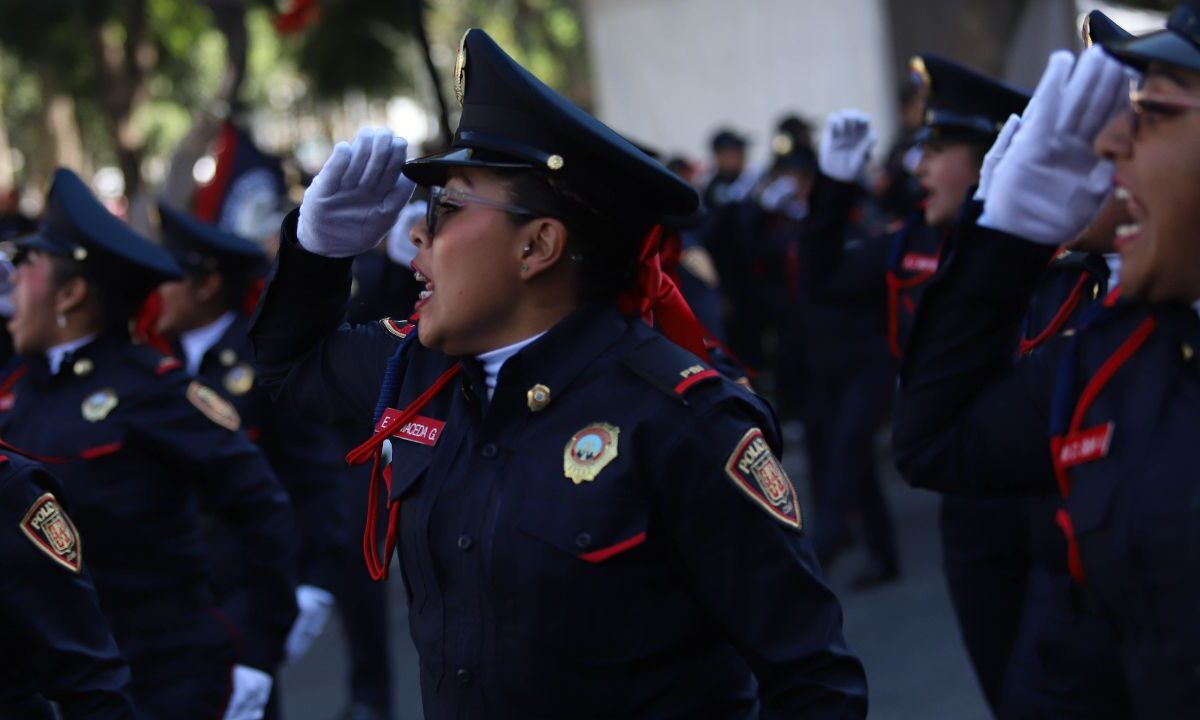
[
  {"x": 543, "y": 244},
  {"x": 71, "y": 295}
]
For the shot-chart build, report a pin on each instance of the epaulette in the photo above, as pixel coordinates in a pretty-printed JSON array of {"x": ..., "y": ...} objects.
[
  {"x": 399, "y": 328},
  {"x": 669, "y": 367}
]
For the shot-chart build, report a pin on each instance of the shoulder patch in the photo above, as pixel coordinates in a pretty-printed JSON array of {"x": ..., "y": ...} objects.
[
  {"x": 668, "y": 367},
  {"x": 399, "y": 328},
  {"x": 756, "y": 471},
  {"x": 214, "y": 407},
  {"x": 52, "y": 532}
]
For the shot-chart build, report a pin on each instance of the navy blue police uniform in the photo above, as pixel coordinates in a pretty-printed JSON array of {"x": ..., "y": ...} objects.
[
  {"x": 1115, "y": 405},
  {"x": 49, "y": 612},
  {"x": 144, "y": 445},
  {"x": 611, "y": 533}
]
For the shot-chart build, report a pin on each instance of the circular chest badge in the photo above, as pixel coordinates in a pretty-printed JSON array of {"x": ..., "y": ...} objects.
[{"x": 589, "y": 451}]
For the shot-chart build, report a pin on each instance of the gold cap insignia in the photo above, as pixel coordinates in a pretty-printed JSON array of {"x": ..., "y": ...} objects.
[
  {"x": 1187, "y": 352},
  {"x": 782, "y": 144},
  {"x": 227, "y": 357},
  {"x": 917, "y": 67},
  {"x": 52, "y": 532},
  {"x": 1087, "y": 31},
  {"x": 589, "y": 451},
  {"x": 79, "y": 253},
  {"x": 460, "y": 70},
  {"x": 555, "y": 162},
  {"x": 538, "y": 397},
  {"x": 99, "y": 404},
  {"x": 240, "y": 379},
  {"x": 83, "y": 366},
  {"x": 214, "y": 407}
]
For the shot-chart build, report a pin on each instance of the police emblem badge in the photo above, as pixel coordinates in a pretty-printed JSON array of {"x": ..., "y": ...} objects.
[
  {"x": 214, "y": 407},
  {"x": 758, "y": 473},
  {"x": 589, "y": 451},
  {"x": 52, "y": 532},
  {"x": 98, "y": 405},
  {"x": 239, "y": 379}
]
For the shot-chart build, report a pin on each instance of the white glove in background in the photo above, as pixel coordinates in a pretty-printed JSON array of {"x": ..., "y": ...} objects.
[
  {"x": 356, "y": 197},
  {"x": 400, "y": 249},
  {"x": 846, "y": 142},
  {"x": 1050, "y": 182},
  {"x": 251, "y": 690},
  {"x": 314, "y": 605},
  {"x": 1003, "y": 140}
]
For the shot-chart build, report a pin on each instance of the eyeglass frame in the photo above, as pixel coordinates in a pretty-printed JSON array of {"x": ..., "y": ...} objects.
[
  {"x": 438, "y": 192},
  {"x": 1139, "y": 98}
]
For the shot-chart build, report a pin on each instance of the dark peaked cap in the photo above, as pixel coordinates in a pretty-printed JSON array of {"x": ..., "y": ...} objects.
[
  {"x": 1099, "y": 29},
  {"x": 76, "y": 225},
  {"x": 198, "y": 245},
  {"x": 962, "y": 102},
  {"x": 510, "y": 119},
  {"x": 1178, "y": 45}
]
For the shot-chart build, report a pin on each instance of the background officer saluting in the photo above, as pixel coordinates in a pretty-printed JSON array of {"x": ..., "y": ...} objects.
[
  {"x": 51, "y": 626},
  {"x": 143, "y": 443},
  {"x": 207, "y": 315},
  {"x": 591, "y": 521}
]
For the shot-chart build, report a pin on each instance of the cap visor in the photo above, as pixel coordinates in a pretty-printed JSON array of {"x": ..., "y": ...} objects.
[
  {"x": 1164, "y": 46},
  {"x": 434, "y": 169},
  {"x": 36, "y": 242}
]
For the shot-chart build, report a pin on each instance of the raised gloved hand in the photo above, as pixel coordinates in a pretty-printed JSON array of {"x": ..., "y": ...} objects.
[
  {"x": 1050, "y": 182},
  {"x": 251, "y": 690},
  {"x": 315, "y": 605},
  {"x": 994, "y": 154},
  {"x": 356, "y": 197},
  {"x": 846, "y": 143}
]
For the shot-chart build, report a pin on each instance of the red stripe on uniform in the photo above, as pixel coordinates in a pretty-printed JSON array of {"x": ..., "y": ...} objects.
[
  {"x": 100, "y": 451},
  {"x": 603, "y": 554},
  {"x": 686, "y": 385}
]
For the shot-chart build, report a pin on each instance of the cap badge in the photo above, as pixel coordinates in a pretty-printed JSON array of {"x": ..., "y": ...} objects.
[
  {"x": 538, "y": 397},
  {"x": 240, "y": 379},
  {"x": 460, "y": 70},
  {"x": 554, "y": 162},
  {"x": 99, "y": 404},
  {"x": 589, "y": 451},
  {"x": 52, "y": 532}
]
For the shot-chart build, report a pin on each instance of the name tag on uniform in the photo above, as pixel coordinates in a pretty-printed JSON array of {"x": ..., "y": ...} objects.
[
  {"x": 915, "y": 262},
  {"x": 420, "y": 429},
  {"x": 1084, "y": 446}
]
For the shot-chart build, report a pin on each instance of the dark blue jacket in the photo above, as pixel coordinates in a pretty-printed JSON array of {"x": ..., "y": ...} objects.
[
  {"x": 670, "y": 585},
  {"x": 145, "y": 445},
  {"x": 57, "y": 640}
]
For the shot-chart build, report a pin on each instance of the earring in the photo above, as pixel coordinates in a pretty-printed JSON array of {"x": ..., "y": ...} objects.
[
  {"x": 61, "y": 320},
  {"x": 527, "y": 251}
]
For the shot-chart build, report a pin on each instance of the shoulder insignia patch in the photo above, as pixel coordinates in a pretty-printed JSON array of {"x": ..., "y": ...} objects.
[
  {"x": 589, "y": 451},
  {"x": 52, "y": 532},
  {"x": 759, "y": 474},
  {"x": 214, "y": 407},
  {"x": 399, "y": 328}
]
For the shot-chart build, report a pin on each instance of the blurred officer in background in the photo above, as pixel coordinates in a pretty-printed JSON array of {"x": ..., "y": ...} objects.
[{"x": 145, "y": 445}]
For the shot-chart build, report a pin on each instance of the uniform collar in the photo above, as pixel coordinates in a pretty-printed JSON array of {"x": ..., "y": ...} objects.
[
  {"x": 58, "y": 353},
  {"x": 196, "y": 343}
]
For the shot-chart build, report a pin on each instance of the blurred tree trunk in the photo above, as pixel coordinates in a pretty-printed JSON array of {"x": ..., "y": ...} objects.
[
  {"x": 62, "y": 128},
  {"x": 8, "y": 175},
  {"x": 974, "y": 32},
  {"x": 230, "y": 19},
  {"x": 125, "y": 60}
]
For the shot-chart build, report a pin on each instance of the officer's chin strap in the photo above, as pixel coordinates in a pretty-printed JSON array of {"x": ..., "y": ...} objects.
[
  {"x": 655, "y": 297},
  {"x": 372, "y": 449}
]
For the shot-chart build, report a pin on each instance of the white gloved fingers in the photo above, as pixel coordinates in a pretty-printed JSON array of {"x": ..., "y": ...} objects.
[
  {"x": 1088, "y": 94},
  {"x": 360, "y": 153},
  {"x": 392, "y": 172},
  {"x": 329, "y": 177},
  {"x": 399, "y": 195},
  {"x": 1043, "y": 107},
  {"x": 379, "y": 158},
  {"x": 1004, "y": 139}
]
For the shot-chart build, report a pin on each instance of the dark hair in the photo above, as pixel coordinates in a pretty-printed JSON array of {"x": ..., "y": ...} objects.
[
  {"x": 116, "y": 304},
  {"x": 605, "y": 249},
  {"x": 235, "y": 283}
]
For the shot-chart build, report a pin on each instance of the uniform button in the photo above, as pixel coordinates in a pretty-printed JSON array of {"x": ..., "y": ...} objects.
[
  {"x": 464, "y": 675},
  {"x": 464, "y": 542},
  {"x": 489, "y": 451},
  {"x": 583, "y": 540}
]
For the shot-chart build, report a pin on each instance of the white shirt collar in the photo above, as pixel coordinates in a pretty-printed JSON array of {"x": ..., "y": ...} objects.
[
  {"x": 55, "y": 355},
  {"x": 493, "y": 360},
  {"x": 199, "y": 341}
]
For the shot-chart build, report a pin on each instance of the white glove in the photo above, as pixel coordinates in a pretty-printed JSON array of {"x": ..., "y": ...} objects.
[
  {"x": 315, "y": 605},
  {"x": 400, "y": 249},
  {"x": 355, "y": 198},
  {"x": 992, "y": 159},
  {"x": 846, "y": 143},
  {"x": 1050, "y": 182},
  {"x": 251, "y": 691}
]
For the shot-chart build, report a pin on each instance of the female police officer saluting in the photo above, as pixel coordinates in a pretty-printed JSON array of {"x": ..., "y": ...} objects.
[{"x": 592, "y": 523}]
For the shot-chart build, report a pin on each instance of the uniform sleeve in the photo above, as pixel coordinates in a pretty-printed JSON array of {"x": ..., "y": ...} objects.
[
  {"x": 835, "y": 270},
  {"x": 310, "y": 461},
  {"x": 196, "y": 433},
  {"x": 968, "y": 419},
  {"x": 755, "y": 570},
  {"x": 306, "y": 357},
  {"x": 58, "y": 630}
]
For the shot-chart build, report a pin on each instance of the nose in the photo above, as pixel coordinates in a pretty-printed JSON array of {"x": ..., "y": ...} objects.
[
  {"x": 419, "y": 234},
  {"x": 1115, "y": 141}
]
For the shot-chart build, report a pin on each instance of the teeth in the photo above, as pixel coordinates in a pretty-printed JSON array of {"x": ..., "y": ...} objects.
[
  {"x": 420, "y": 278},
  {"x": 1122, "y": 193},
  {"x": 424, "y": 294},
  {"x": 1128, "y": 229}
]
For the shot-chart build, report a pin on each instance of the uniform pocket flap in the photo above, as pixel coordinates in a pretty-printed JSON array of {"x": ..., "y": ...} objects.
[{"x": 591, "y": 531}]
